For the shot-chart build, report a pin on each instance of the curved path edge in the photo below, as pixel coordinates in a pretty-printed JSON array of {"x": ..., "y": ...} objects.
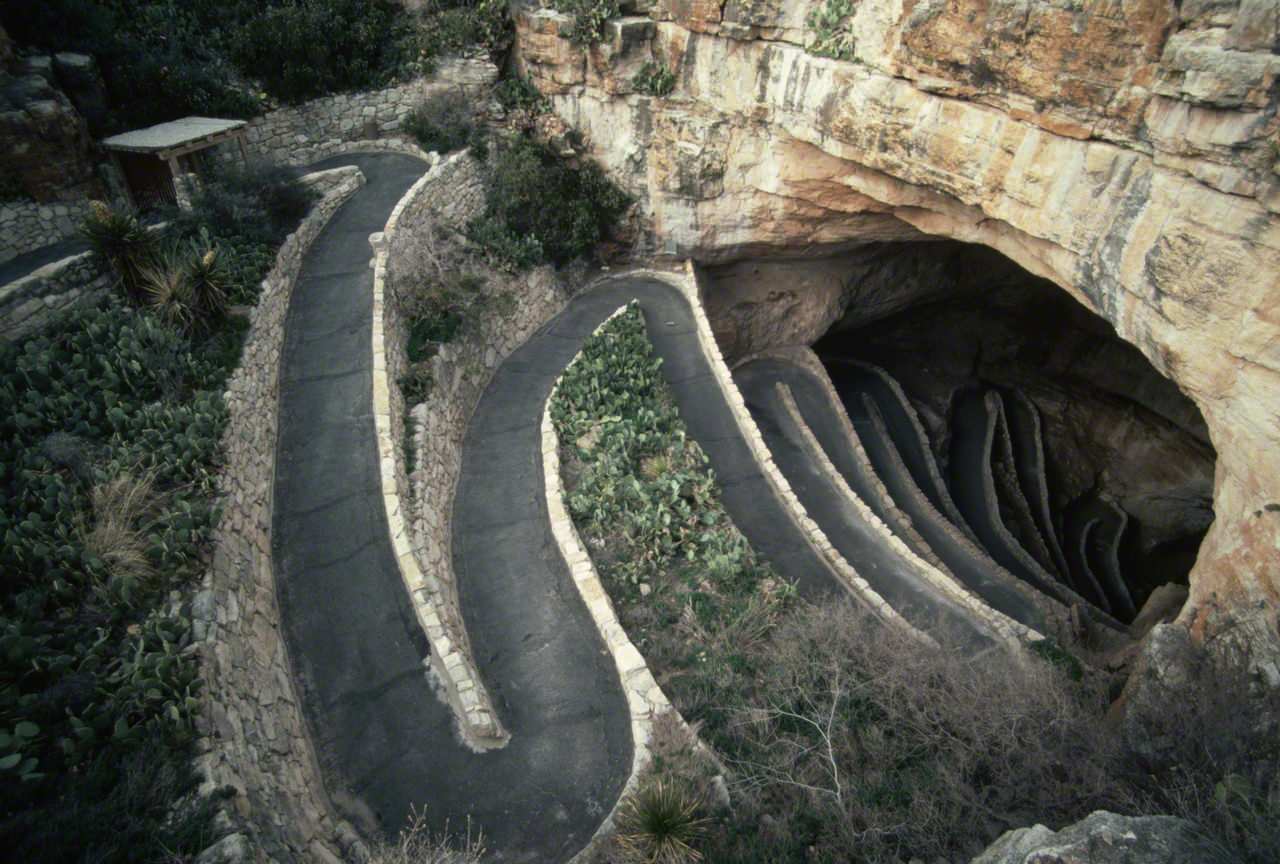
[
  {"x": 645, "y": 699},
  {"x": 451, "y": 659},
  {"x": 858, "y": 587},
  {"x": 1010, "y": 631},
  {"x": 243, "y": 673}
]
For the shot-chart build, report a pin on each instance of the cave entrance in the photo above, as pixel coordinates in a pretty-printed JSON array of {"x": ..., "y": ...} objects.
[{"x": 1063, "y": 451}]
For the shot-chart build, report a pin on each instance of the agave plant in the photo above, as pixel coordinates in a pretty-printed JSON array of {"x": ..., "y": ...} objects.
[
  {"x": 117, "y": 237},
  {"x": 165, "y": 285},
  {"x": 660, "y": 824},
  {"x": 208, "y": 279},
  {"x": 186, "y": 287}
]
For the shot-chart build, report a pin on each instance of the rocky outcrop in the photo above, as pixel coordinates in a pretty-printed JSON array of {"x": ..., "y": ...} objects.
[
  {"x": 1126, "y": 152},
  {"x": 44, "y": 139},
  {"x": 1105, "y": 838}
]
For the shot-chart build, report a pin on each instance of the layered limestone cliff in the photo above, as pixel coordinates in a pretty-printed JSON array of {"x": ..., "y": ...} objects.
[{"x": 1126, "y": 150}]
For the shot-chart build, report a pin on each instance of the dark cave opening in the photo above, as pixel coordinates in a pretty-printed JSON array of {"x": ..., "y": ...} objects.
[{"x": 1007, "y": 368}]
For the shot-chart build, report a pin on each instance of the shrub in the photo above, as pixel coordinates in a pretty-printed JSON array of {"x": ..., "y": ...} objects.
[
  {"x": 307, "y": 48},
  {"x": 504, "y": 249},
  {"x": 518, "y": 93},
  {"x": 521, "y": 180},
  {"x": 118, "y": 238},
  {"x": 654, "y": 79},
  {"x": 443, "y": 122},
  {"x": 1217, "y": 724},
  {"x": 247, "y": 210},
  {"x": 832, "y": 33},
  {"x": 452, "y": 26},
  {"x": 589, "y": 18},
  {"x": 258, "y": 201},
  {"x": 185, "y": 287}
]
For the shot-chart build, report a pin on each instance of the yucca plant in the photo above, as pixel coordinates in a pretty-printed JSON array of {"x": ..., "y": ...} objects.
[
  {"x": 165, "y": 285},
  {"x": 117, "y": 237},
  {"x": 208, "y": 279},
  {"x": 660, "y": 824},
  {"x": 186, "y": 287}
]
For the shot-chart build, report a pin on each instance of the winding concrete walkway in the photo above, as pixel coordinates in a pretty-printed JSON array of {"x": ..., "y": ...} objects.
[
  {"x": 861, "y": 544},
  {"x": 965, "y": 560},
  {"x": 385, "y": 742}
]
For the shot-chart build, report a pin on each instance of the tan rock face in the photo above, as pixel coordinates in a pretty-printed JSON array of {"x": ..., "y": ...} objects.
[{"x": 1129, "y": 151}]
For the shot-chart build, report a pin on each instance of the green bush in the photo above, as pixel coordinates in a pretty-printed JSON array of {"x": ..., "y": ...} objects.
[
  {"x": 453, "y": 26},
  {"x": 589, "y": 18},
  {"x": 518, "y": 93},
  {"x": 503, "y": 248},
  {"x": 247, "y": 211},
  {"x": 655, "y": 79},
  {"x": 443, "y": 122},
  {"x": 831, "y": 31},
  {"x": 520, "y": 182},
  {"x": 258, "y": 201},
  {"x": 108, "y": 462},
  {"x": 301, "y": 49}
]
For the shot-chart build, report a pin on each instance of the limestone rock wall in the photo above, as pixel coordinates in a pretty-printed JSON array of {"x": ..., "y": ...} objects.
[
  {"x": 254, "y": 736},
  {"x": 1125, "y": 151}
]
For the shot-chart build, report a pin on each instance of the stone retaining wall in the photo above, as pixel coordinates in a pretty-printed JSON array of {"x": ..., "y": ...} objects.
[
  {"x": 299, "y": 134},
  {"x": 430, "y": 588},
  {"x": 817, "y": 539},
  {"x": 29, "y": 303},
  {"x": 420, "y": 506},
  {"x": 645, "y": 699},
  {"x": 27, "y": 225},
  {"x": 254, "y": 737}
]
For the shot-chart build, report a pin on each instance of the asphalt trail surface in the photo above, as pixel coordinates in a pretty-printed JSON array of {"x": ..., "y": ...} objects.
[{"x": 384, "y": 740}]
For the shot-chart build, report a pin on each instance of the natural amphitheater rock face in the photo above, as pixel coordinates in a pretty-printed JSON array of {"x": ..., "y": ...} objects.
[{"x": 1127, "y": 152}]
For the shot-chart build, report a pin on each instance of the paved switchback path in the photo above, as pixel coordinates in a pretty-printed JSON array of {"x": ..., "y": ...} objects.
[{"x": 384, "y": 741}]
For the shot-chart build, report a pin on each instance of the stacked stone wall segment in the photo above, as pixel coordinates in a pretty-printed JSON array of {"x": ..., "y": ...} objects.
[
  {"x": 858, "y": 587},
  {"x": 254, "y": 737},
  {"x": 435, "y": 606}
]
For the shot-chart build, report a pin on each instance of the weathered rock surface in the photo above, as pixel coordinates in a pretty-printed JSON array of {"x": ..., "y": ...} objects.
[
  {"x": 1104, "y": 838},
  {"x": 44, "y": 140},
  {"x": 1125, "y": 151}
]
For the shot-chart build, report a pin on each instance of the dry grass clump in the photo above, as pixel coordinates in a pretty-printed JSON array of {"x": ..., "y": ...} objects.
[
  {"x": 417, "y": 844},
  {"x": 116, "y": 533}
]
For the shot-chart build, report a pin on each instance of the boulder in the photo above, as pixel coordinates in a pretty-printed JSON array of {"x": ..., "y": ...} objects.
[
  {"x": 1105, "y": 838},
  {"x": 80, "y": 79}
]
